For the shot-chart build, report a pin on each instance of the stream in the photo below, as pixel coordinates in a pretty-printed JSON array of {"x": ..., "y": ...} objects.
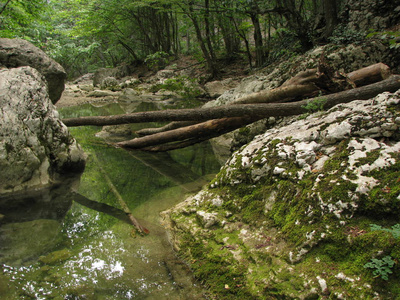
[{"x": 74, "y": 240}]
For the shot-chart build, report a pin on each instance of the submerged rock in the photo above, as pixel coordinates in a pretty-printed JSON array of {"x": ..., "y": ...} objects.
[
  {"x": 36, "y": 148},
  {"x": 17, "y": 53},
  {"x": 295, "y": 206}
]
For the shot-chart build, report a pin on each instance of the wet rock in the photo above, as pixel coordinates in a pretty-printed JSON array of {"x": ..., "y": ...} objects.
[
  {"x": 129, "y": 94},
  {"x": 35, "y": 147},
  {"x": 17, "y": 53},
  {"x": 103, "y": 73}
]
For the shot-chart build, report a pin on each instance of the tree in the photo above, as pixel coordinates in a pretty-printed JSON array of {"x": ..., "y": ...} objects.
[{"x": 18, "y": 18}]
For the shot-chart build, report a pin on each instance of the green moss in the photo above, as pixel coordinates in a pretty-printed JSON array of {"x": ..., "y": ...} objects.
[
  {"x": 383, "y": 199},
  {"x": 336, "y": 162},
  {"x": 220, "y": 274},
  {"x": 323, "y": 214},
  {"x": 370, "y": 158}
]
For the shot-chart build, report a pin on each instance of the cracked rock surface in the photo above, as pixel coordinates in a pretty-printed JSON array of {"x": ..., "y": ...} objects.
[{"x": 36, "y": 148}]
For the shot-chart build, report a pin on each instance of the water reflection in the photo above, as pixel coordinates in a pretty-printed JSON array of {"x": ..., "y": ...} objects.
[
  {"x": 85, "y": 248},
  {"x": 31, "y": 222}
]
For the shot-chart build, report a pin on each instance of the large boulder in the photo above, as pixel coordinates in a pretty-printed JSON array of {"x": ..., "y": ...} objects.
[
  {"x": 118, "y": 73},
  {"x": 307, "y": 210},
  {"x": 36, "y": 148},
  {"x": 17, "y": 53}
]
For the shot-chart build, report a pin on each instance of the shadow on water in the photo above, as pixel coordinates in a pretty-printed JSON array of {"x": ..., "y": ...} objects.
[
  {"x": 70, "y": 242},
  {"x": 30, "y": 223}
]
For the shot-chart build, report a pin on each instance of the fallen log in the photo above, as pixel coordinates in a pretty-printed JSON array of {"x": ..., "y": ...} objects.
[
  {"x": 208, "y": 129},
  {"x": 370, "y": 74},
  {"x": 252, "y": 113},
  {"x": 305, "y": 84},
  {"x": 169, "y": 126},
  {"x": 390, "y": 84},
  {"x": 280, "y": 94},
  {"x": 316, "y": 80}
]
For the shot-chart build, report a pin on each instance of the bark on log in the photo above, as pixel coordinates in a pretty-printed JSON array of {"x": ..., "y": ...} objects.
[
  {"x": 208, "y": 129},
  {"x": 307, "y": 76},
  {"x": 169, "y": 126},
  {"x": 242, "y": 110},
  {"x": 253, "y": 112},
  {"x": 370, "y": 74},
  {"x": 280, "y": 94}
]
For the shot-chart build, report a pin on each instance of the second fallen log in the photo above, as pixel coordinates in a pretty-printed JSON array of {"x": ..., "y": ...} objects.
[{"x": 209, "y": 128}]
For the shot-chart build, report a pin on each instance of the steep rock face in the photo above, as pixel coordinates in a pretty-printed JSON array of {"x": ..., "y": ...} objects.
[
  {"x": 289, "y": 215},
  {"x": 17, "y": 53},
  {"x": 35, "y": 146},
  {"x": 371, "y": 14}
]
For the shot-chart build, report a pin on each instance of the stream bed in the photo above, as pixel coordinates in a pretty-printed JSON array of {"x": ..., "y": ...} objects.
[{"x": 73, "y": 241}]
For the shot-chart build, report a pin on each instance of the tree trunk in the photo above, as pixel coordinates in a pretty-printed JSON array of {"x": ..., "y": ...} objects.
[
  {"x": 4, "y": 6},
  {"x": 280, "y": 94},
  {"x": 242, "y": 35},
  {"x": 260, "y": 55},
  {"x": 203, "y": 45},
  {"x": 330, "y": 15}
]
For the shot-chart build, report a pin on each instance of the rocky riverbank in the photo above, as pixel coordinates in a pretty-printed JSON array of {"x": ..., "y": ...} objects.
[
  {"x": 289, "y": 215},
  {"x": 308, "y": 206}
]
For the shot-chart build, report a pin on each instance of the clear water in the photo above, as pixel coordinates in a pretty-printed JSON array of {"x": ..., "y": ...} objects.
[{"x": 57, "y": 245}]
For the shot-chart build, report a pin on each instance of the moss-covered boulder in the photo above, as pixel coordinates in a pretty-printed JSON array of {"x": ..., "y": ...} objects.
[{"x": 308, "y": 210}]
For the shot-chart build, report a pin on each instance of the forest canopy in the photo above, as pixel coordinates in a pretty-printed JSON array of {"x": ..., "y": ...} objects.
[{"x": 84, "y": 35}]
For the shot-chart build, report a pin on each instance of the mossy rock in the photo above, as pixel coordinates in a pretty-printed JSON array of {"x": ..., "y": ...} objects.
[{"x": 295, "y": 208}]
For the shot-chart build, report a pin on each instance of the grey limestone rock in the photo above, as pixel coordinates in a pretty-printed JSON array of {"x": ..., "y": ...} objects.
[
  {"x": 17, "y": 53},
  {"x": 36, "y": 148}
]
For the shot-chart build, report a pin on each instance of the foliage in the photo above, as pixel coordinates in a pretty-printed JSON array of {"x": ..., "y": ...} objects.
[
  {"x": 84, "y": 35},
  {"x": 182, "y": 85},
  {"x": 23, "y": 18},
  {"x": 315, "y": 105},
  {"x": 395, "y": 230},
  {"x": 282, "y": 44},
  {"x": 382, "y": 267},
  {"x": 391, "y": 37},
  {"x": 342, "y": 35},
  {"x": 157, "y": 60}
]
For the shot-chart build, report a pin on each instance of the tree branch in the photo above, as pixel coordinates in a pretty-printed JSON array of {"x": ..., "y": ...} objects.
[{"x": 4, "y": 6}]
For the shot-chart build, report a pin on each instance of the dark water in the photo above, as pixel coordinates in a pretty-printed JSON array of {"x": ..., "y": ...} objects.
[{"x": 74, "y": 240}]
